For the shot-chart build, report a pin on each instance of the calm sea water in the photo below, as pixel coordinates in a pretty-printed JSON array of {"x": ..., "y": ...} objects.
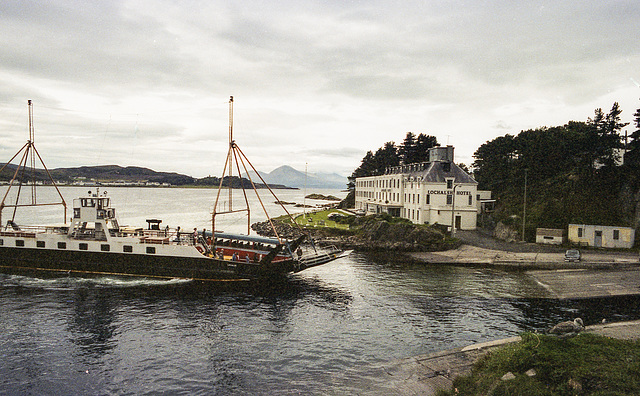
[{"x": 319, "y": 332}]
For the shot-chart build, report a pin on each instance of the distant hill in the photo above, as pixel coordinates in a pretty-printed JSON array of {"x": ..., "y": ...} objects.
[
  {"x": 102, "y": 173},
  {"x": 128, "y": 174},
  {"x": 291, "y": 177},
  {"x": 116, "y": 172}
]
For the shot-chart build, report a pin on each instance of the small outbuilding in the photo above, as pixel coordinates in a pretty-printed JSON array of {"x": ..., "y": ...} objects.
[
  {"x": 601, "y": 236},
  {"x": 549, "y": 236}
]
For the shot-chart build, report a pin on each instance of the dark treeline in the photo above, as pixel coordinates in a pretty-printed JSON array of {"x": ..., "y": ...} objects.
[
  {"x": 413, "y": 149},
  {"x": 581, "y": 172}
]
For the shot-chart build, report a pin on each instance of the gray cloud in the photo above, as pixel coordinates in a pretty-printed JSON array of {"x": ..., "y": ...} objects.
[{"x": 319, "y": 80}]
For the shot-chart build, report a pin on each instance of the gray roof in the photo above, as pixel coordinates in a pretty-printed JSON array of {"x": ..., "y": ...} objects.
[{"x": 435, "y": 172}]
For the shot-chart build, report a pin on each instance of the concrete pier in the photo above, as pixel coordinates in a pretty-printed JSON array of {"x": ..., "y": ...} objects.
[{"x": 598, "y": 274}]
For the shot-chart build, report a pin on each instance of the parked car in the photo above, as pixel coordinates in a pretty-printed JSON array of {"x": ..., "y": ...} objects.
[{"x": 572, "y": 255}]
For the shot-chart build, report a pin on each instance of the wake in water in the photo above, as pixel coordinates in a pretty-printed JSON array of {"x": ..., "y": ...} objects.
[{"x": 70, "y": 282}]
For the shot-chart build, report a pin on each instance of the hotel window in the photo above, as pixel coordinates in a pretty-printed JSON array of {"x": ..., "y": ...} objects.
[
  {"x": 19, "y": 242},
  {"x": 62, "y": 245},
  {"x": 428, "y": 199},
  {"x": 418, "y": 198},
  {"x": 449, "y": 184},
  {"x": 470, "y": 200},
  {"x": 151, "y": 249},
  {"x": 105, "y": 247},
  {"x": 449, "y": 199},
  {"x": 616, "y": 235},
  {"x": 40, "y": 244},
  {"x": 83, "y": 246},
  {"x": 579, "y": 232}
]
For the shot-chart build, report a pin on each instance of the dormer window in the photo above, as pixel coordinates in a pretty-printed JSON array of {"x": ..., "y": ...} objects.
[{"x": 449, "y": 184}]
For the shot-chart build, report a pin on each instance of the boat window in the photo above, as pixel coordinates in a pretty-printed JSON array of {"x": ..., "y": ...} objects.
[
  {"x": 76, "y": 213},
  {"x": 127, "y": 249},
  {"x": 88, "y": 203},
  {"x": 40, "y": 244},
  {"x": 1, "y": 242},
  {"x": 105, "y": 247},
  {"x": 151, "y": 249},
  {"x": 19, "y": 242},
  {"x": 62, "y": 245},
  {"x": 83, "y": 246}
]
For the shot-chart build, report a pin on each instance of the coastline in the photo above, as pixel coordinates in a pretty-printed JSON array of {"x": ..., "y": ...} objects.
[{"x": 427, "y": 374}]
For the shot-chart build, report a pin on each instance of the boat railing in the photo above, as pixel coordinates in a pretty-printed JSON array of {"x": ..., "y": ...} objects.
[
  {"x": 30, "y": 231},
  {"x": 18, "y": 234},
  {"x": 167, "y": 237},
  {"x": 320, "y": 256}
]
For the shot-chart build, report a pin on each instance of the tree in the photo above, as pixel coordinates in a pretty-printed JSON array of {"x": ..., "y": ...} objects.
[
  {"x": 494, "y": 163},
  {"x": 415, "y": 149},
  {"x": 376, "y": 164},
  {"x": 386, "y": 157},
  {"x": 607, "y": 128},
  {"x": 423, "y": 144},
  {"x": 407, "y": 150},
  {"x": 632, "y": 157}
]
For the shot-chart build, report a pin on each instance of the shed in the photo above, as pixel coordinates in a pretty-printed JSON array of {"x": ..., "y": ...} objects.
[
  {"x": 549, "y": 236},
  {"x": 601, "y": 236}
]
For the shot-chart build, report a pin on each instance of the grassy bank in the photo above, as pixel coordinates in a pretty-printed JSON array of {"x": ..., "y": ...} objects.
[{"x": 543, "y": 365}]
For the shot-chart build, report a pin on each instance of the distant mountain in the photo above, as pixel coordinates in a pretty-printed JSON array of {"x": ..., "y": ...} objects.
[
  {"x": 119, "y": 174},
  {"x": 291, "y": 177}
]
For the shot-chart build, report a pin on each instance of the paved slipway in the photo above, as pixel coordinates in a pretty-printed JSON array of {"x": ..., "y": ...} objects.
[{"x": 599, "y": 274}]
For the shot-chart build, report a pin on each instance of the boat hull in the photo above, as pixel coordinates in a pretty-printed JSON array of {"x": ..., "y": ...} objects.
[{"x": 28, "y": 260}]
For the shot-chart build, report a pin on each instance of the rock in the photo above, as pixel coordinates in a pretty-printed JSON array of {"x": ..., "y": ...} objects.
[
  {"x": 508, "y": 376},
  {"x": 531, "y": 373},
  {"x": 575, "y": 385}
]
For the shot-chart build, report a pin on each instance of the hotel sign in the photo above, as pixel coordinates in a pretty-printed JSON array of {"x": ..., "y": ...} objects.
[{"x": 448, "y": 192}]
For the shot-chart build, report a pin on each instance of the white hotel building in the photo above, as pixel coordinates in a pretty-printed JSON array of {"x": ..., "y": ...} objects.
[{"x": 438, "y": 191}]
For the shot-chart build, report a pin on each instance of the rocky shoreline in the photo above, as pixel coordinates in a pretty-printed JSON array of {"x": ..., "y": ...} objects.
[{"x": 373, "y": 234}]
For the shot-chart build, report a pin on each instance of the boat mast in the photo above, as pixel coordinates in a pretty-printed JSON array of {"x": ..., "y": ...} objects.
[
  {"x": 21, "y": 175},
  {"x": 230, "y": 157},
  {"x": 242, "y": 160}
]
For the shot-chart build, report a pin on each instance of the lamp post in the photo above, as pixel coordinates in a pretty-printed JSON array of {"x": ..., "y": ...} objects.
[
  {"x": 524, "y": 205},
  {"x": 453, "y": 211}
]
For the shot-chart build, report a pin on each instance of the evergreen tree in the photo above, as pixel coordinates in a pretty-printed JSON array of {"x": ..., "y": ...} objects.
[
  {"x": 386, "y": 157},
  {"x": 607, "y": 128},
  {"x": 632, "y": 157},
  {"x": 494, "y": 163},
  {"x": 408, "y": 149},
  {"x": 423, "y": 144},
  {"x": 376, "y": 164}
]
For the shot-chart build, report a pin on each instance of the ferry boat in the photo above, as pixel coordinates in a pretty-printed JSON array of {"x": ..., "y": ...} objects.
[{"x": 94, "y": 243}]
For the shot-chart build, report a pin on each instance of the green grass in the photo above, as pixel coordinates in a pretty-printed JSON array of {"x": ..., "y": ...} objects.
[
  {"x": 584, "y": 365},
  {"x": 320, "y": 219}
]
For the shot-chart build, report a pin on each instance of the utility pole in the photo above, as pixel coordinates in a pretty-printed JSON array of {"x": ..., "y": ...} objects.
[
  {"x": 524, "y": 206},
  {"x": 453, "y": 211}
]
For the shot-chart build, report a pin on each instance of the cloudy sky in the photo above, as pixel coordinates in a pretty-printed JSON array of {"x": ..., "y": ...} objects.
[{"x": 316, "y": 83}]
